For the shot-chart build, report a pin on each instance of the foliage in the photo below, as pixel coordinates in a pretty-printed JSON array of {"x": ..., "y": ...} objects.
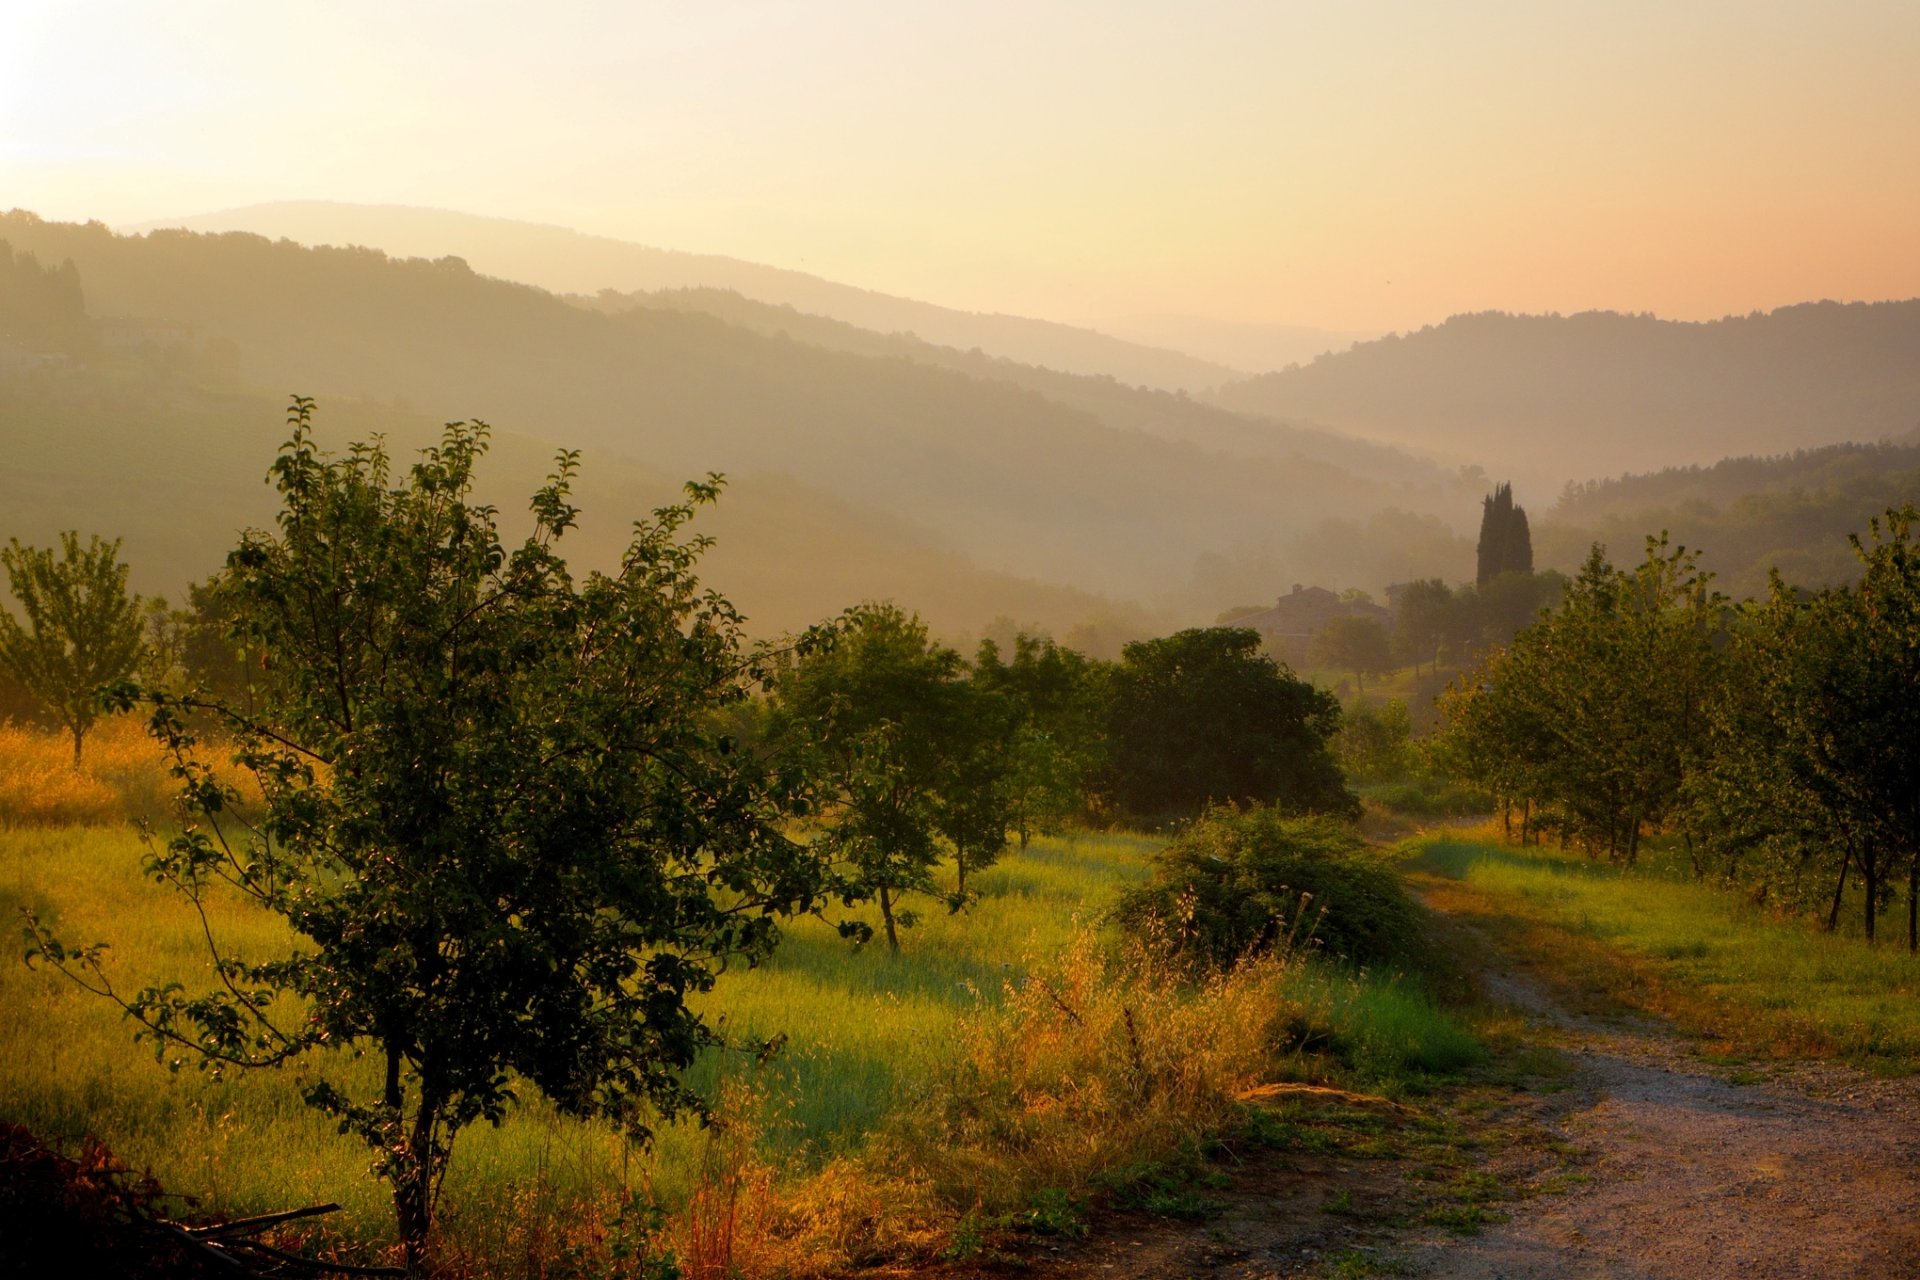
[
  {"x": 1420, "y": 618},
  {"x": 1596, "y": 713},
  {"x": 82, "y": 631},
  {"x": 1204, "y": 716},
  {"x": 1244, "y": 883},
  {"x": 1353, "y": 642},
  {"x": 1814, "y": 769},
  {"x": 1055, "y": 742},
  {"x": 496, "y": 813},
  {"x": 1506, "y": 544},
  {"x": 1375, "y": 742},
  {"x": 905, "y": 748}
]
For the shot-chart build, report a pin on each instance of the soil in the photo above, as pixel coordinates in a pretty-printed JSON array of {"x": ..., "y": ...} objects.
[{"x": 1595, "y": 1148}]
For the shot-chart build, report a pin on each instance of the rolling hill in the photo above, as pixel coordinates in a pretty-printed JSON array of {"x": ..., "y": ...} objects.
[
  {"x": 565, "y": 261},
  {"x": 1073, "y": 488},
  {"x": 1554, "y": 398}
]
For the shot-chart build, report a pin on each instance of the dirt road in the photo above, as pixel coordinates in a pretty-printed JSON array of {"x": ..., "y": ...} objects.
[
  {"x": 1632, "y": 1160},
  {"x": 1813, "y": 1172}
]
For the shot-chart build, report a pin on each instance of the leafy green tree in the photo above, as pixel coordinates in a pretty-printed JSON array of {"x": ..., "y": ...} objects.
[
  {"x": 1055, "y": 742},
  {"x": 1420, "y": 621},
  {"x": 1375, "y": 742},
  {"x": 1204, "y": 716},
  {"x": 1816, "y": 771},
  {"x": 903, "y": 748},
  {"x": 1603, "y": 699},
  {"x": 82, "y": 630},
  {"x": 495, "y": 807},
  {"x": 1353, "y": 642}
]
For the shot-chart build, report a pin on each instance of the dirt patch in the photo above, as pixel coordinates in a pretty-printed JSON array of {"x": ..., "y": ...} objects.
[{"x": 1598, "y": 1146}]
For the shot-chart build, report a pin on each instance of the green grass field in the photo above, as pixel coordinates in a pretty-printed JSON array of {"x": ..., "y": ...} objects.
[
  {"x": 867, "y": 1034},
  {"x": 1750, "y": 978},
  {"x": 862, "y": 1026}
]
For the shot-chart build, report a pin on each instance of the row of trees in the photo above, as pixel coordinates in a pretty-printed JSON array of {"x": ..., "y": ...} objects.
[
  {"x": 1433, "y": 622},
  {"x": 1779, "y": 739},
  {"x": 517, "y": 818}
]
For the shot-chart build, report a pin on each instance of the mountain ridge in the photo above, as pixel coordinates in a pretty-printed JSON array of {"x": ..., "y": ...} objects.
[{"x": 563, "y": 260}]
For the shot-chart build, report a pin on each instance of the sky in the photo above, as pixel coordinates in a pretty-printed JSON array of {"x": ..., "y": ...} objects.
[{"x": 1351, "y": 165}]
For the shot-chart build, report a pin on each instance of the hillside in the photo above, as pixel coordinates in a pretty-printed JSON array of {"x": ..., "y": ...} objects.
[
  {"x": 184, "y": 467},
  {"x": 567, "y": 261},
  {"x": 1172, "y": 415},
  {"x": 1017, "y": 482},
  {"x": 1749, "y": 515},
  {"x": 1553, "y": 398}
]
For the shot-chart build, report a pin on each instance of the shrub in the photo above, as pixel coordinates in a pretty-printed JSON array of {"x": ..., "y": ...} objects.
[{"x": 1240, "y": 883}]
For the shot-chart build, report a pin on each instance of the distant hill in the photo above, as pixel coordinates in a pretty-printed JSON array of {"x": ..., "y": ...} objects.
[
  {"x": 1171, "y": 415},
  {"x": 1257, "y": 348},
  {"x": 1059, "y": 488},
  {"x": 567, "y": 261},
  {"x": 1747, "y": 515},
  {"x": 177, "y": 469},
  {"x": 1553, "y": 398}
]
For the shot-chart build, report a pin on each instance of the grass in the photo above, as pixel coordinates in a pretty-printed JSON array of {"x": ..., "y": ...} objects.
[
  {"x": 915, "y": 1093},
  {"x": 1747, "y": 980},
  {"x": 864, "y": 1028}
]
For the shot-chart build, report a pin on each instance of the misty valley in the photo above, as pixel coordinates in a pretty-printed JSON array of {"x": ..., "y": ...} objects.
[{"x": 528, "y": 754}]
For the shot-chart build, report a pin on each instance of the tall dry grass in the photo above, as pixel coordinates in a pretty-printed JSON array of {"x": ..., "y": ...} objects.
[{"x": 122, "y": 775}]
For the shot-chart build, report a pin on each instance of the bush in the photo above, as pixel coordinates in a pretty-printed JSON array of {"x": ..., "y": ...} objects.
[{"x": 1240, "y": 883}]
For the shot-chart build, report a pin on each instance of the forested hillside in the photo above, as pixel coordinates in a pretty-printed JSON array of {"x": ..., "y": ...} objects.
[
  {"x": 177, "y": 469},
  {"x": 568, "y": 262},
  {"x": 1019, "y": 482},
  {"x": 1558, "y": 398},
  {"x": 1749, "y": 515},
  {"x": 1172, "y": 415}
]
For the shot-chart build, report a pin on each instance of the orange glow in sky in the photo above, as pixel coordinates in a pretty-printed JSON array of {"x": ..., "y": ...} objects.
[{"x": 1355, "y": 165}]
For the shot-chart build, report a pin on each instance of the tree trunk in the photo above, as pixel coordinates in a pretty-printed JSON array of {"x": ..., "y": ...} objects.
[
  {"x": 1839, "y": 890},
  {"x": 1870, "y": 872},
  {"x": 1506, "y": 819},
  {"x": 886, "y": 914},
  {"x": 79, "y": 736},
  {"x": 413, "y": 1189},
  {"x": 960, "y": 865},
  {"x": 1526, "y": 819},
  {"x": 1913, "y": 902}
]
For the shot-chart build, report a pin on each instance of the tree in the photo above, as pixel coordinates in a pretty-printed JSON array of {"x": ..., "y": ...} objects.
[
  {"x": 1204, "y": 716},
  {"x": 1375, "y": 743},
  {"x": 1506, "y": 542},
  {"x": 1601, "y": 702},
  {"x": 1054, "y": 742},
  {"x": 1356, "y": 643},
  {"x": 902, "y": 752},
  {"x": 1420, "y": 620},
  {"x": 494, "y": 804},
  {"x": 82, "y": 629}
]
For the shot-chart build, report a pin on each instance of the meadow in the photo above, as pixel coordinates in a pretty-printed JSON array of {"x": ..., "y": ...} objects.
[
  {"x": 999, "y": 1061},
  {"x": 1752, "y": 980}
]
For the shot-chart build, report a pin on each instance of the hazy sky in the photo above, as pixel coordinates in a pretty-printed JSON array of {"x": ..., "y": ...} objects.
[{"x": 1347, "y": 164}]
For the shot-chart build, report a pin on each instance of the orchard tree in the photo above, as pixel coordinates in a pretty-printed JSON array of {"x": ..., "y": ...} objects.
[
  {"x": 1420, "y": 613},
  {"x": 902, "y": 748},
  {"x": 1353, "y": 642},
  {"x": 494, "y": 805},
  {"x": 1205, "y": 716},
  {"x": 81, "y": 632},
  {"x": 1053, "y": 742}
]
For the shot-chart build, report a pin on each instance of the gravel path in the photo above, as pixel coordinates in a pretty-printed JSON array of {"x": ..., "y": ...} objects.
[{"x": 1813, "y": 1173}]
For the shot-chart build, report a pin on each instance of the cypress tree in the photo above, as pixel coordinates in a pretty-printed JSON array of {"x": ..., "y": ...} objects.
[{"x": 1506, "y": 541}]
